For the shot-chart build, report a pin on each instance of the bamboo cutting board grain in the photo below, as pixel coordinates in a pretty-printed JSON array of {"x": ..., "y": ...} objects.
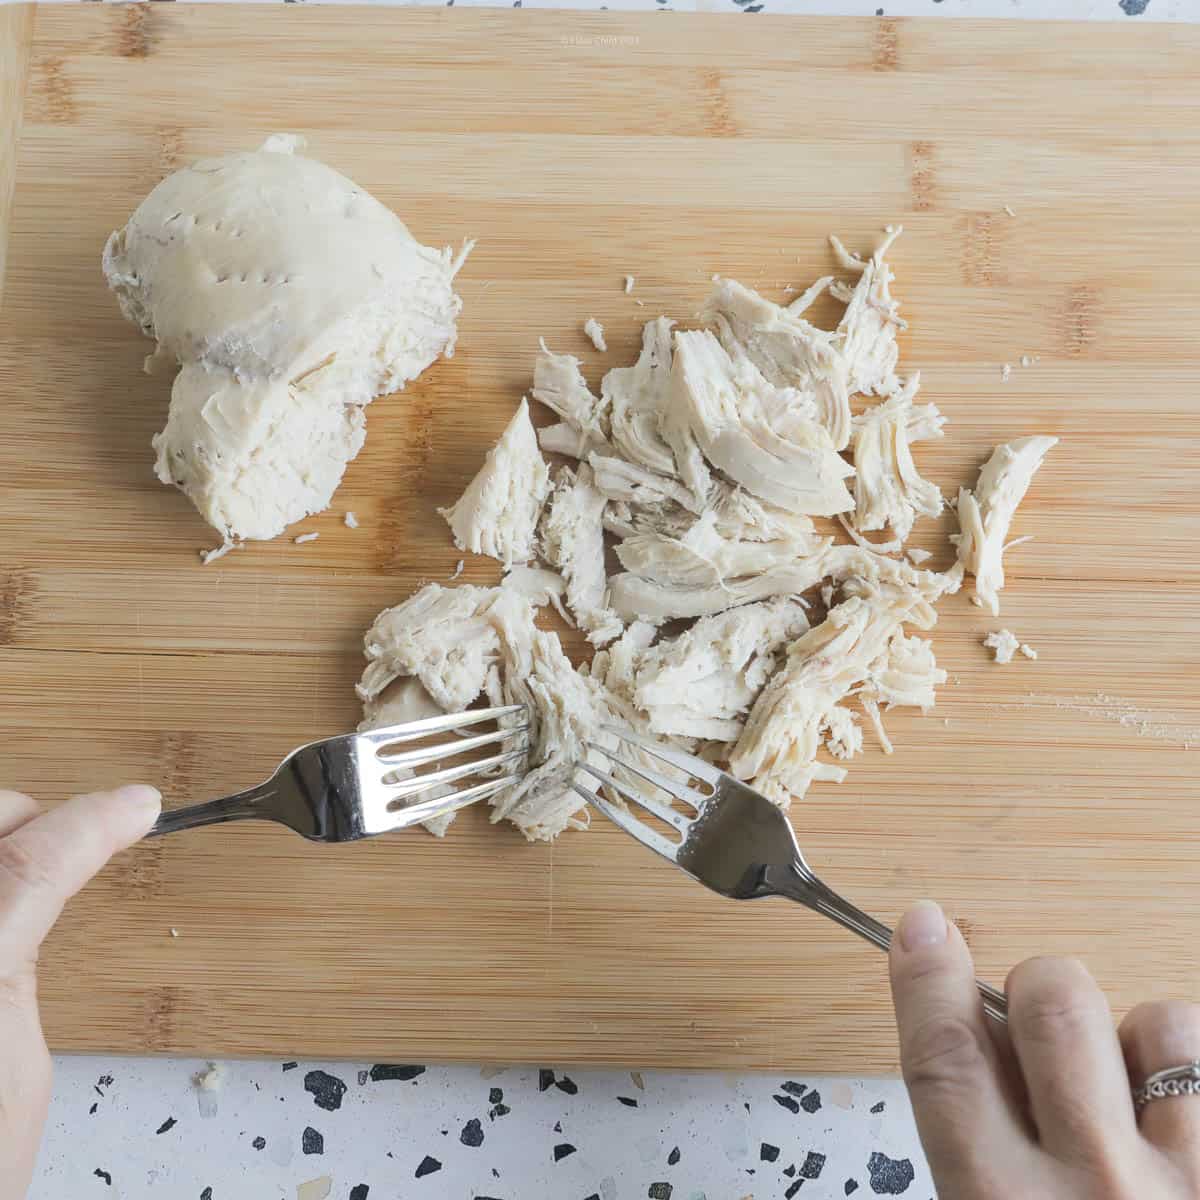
[{"x": 1052, "y": 805}]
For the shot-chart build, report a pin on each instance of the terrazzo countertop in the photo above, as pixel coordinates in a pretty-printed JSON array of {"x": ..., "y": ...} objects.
[{"x": 122, "y": 1129}]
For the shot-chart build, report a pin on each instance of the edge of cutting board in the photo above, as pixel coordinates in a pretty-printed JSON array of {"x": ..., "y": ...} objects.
[{"x": 16, "y": 44}]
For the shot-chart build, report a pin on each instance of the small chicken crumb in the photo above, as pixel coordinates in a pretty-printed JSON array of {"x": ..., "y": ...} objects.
[
  {"x": 629, "y": 282},
  {"x": 640, "y": 303},
  {"x": 458, "y": 568},
  {"x": 1028, "y": 650},
  {"x": 1005, "y": 372},
  {"x": 595, "y": 332},
  {"x": 207, "y": 556},
  {"x": 1027, "y": 360},
  {"x": 174, "y": 931},
  {"x": 351, "y": 521},
  {"x": 1003, "y": 645},
  {"x": 1008, "y": 208},
  {"x": 211, "y": 1079},
  {"x": 305, "y": 537},
  {"x": 917, "y": 556}
]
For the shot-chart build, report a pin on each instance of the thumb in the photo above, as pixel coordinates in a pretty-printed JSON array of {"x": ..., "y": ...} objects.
[
  {"x": 48, "y": 859},
  {"x": 966, "y": 1123}
]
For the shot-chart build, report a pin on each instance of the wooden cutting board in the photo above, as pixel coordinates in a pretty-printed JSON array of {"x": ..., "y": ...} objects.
[{"x": 1054, "y": 806}]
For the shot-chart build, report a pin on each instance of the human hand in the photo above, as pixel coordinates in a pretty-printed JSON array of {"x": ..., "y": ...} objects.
[
  {"x": 1041, "y": 1110},
  {"x": 45, "y": 858}
]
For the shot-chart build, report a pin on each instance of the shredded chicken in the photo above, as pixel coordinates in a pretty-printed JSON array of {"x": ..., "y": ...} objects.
[
  {"x": 985, "y": 514},
  {"x": 701, "y": 683},
  {"x": 888, "y": 488},
  {"x": 731, "y": 414},
  {"x": 706, "y": 460},
  {"x": 558, "y": 383},
  {"x": 498, "y": 512},
  {"x": 572, "y": 534},
  {"x": 636, "y": 398}
]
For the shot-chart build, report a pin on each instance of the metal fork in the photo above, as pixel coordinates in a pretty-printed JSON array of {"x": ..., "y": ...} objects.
[
  {"x": 352, "y": 786},
  {"x": 738, "y": 843}
]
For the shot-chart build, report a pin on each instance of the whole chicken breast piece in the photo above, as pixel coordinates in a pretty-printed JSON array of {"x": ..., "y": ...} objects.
[
  {"x": 498, "y": 513},
  {"x": 270, "y": 272},
  {"x": 984, "y": 516}
]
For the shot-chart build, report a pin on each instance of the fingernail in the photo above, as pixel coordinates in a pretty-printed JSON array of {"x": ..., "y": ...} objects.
[
  {"x": 923, "y": 925},
  {"x": 140, "y": 795}
]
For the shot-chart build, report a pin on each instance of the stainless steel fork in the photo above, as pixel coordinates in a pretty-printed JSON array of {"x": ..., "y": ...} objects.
[
  {"x": 738, "y": 843},
  {"x": 355, "y": 786}
]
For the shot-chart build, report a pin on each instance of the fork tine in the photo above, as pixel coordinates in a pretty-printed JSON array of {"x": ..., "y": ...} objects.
[
  {"x": 413, "y": 814},
  {"x": 623, "y": 818},
  {"x": 441, "y": 724},
  {"x": 428, "y": 754},
  {"x": 685, "y": 762},
  {"x": 672, "y": 786},
  {"x": 419, "y": 783},
  {"x": 664, "y": 812}
]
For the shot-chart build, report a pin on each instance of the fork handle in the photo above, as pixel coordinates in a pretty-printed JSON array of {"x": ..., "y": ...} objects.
[
  {"x": 251, "y": 805},
  {"x": 800, "y": 884}
]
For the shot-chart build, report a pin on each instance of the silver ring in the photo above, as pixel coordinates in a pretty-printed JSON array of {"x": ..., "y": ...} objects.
[{"x": 1174, "y": 1081}]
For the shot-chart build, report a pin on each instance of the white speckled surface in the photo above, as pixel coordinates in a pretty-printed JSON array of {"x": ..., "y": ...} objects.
[{"x": 143, "y": 1124}]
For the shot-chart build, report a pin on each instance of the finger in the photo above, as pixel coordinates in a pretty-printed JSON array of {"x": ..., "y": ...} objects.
[
  {"x": 1155, "y": 1037},
  {"x": 15, "y": 809},
  {"x": 967, "y": 1126},
  {"x": 1062, "y": 1033},
  {"x": 48, "y": 859}
]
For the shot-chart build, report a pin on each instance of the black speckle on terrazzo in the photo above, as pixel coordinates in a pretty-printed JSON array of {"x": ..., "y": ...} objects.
[
  {"x": 206, "y": 1194},
  {"x": 101, "y": 1174},
  {"x": 363, "y": 1076},
  {"x": 472, "y": 1133},
  {"x": 814, "y": 1164},
  {"x": 499, "y": 1110},
  {"x": 673, "y": 1157},
  {"x": 563, "y": 1150},
  {"x": 660, "y": 1191},
  {"x": 104, "y": 1081},
  {"x": 790, "y": 1170},
  {"x": 628, "y": 1101},
  {"x": 359, "y": 1191},
  {"x": 259, "y": 1143},
  {"x": 851, "y": 1187},
  {"x": 311, "y": 1142},
  {"x": 878, "y": 1108},
  {"x": 1134, "y": 8},
  {"x": 879, "y": 12},
  {"x": 811, "y": 1103},
  {"x": 169, "y": 1123},
  {"x": 545, "y": 1079},
  {"x": 889, "y": 1177},
  {"x": 593, "y": 1196},
  {"x": 427, "y": 1166},
  {"x": 495, "y": 1095},
  {"x": 92, "y": 1110},
  {"x": 767, "y": 1152},
  {"x": 385, "y": 1071},
  {"x": 290, "y": 1066},
  {"x": 327, "y": 1090},
  {"x": 567, "y": 1085},
  {"x": 793, "y": 1106},
  {"x": 558, "y": 1127},
  {"x": 793, "y": 1088}
]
